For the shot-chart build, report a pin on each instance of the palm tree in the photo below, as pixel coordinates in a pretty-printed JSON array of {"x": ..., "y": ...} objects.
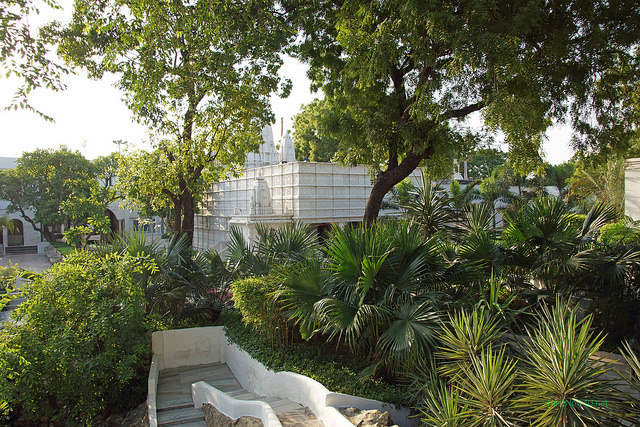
[{"x": 372, "y": 293}]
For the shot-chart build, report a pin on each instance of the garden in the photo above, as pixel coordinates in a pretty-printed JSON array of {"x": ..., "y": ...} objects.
[{"x": 467, "y": 314}]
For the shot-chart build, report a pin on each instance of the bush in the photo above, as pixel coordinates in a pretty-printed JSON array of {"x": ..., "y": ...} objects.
[
  {"x": 255, "y": 300},
  {"x": 79, "y": 344},
  {"x": 8, "y": 275}
]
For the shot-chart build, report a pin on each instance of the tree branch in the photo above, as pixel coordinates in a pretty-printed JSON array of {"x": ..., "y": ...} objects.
[{"x": 464, "y": 111}]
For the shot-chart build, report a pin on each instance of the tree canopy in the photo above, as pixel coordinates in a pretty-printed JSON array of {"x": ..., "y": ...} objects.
[
  {"x": 24, "y": 54},
  {"x": 401, "y": 76},
  {"x": 312, "y": 136},
  {"x": 42, "y": 182},
  {"x": 198, "y": 73}
]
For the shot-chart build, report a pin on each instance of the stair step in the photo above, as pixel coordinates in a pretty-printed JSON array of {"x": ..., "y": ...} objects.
[
  {"x": 179, "y": 416},
  {"x": 17, "y": 250}
]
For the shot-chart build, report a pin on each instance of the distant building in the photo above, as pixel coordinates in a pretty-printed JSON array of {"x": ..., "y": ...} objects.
[
  {"x": 275, "y": 189},
  {"x": 25, "y": 239}
]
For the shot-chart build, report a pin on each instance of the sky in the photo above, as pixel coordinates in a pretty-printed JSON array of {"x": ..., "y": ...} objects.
[{"x": 89, "y": 115}]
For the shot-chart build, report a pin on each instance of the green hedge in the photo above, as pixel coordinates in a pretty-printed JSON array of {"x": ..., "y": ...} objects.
[{"x": 316, "y": 360}]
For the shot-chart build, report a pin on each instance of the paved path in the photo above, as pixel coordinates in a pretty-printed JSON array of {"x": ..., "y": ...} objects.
[
  {"x": 32, "y": 262},
  {"x": 175, "y": 406}
]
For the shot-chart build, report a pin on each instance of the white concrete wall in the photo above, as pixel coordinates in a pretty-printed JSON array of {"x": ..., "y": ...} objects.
[
  {"x": 197, "y": 346},
  {"x": 632, "y": 189}
]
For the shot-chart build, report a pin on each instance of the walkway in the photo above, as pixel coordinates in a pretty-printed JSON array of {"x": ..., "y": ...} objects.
[
  {"x": 32, "y": 262},
  {"x": 175, "y": 406}
]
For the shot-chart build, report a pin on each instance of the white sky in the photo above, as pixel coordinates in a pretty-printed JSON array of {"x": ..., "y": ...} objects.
[{"x": 90, "y": 115}]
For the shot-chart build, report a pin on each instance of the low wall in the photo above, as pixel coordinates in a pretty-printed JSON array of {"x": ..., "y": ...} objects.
[{"x": 198, "y": 346}]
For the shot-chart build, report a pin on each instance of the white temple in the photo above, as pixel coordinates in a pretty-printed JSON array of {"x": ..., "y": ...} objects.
[{"x": 275, "y": 189}]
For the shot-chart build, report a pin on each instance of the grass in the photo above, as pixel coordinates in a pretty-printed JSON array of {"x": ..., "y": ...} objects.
[{"x": 63, "y": 248}]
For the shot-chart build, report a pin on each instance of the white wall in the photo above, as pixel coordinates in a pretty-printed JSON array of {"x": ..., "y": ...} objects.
[{"x": 632, "y": 189}]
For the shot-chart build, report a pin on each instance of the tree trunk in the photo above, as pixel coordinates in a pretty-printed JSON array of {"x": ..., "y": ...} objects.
[
  {"x": 387, "y": 179},
  {"x": 188, "y": 215}
]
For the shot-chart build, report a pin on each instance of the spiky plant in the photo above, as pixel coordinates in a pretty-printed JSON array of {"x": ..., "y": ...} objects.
[
  {"x": 464, "y": 337},
  {"x": 562, "y": 384},
  {"x": 631, "y": 404},
  {"x": 487, "y": 389},
  {"x": 442, "y": 406}
]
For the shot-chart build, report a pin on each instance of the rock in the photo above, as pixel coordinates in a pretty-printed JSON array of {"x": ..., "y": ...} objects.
[
  {"x": 366, "y": 418},
  {"x": 53, "y": 254},
  {"x": 215, "y": 418}
]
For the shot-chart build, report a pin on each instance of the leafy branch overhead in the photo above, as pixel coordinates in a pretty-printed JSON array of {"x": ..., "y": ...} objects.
[{"x": 401, "y": 76}]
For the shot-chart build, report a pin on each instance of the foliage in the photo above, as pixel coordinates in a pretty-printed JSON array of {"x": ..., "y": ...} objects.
[
  {"x": 372, "y": 294},
  {"x": 310, "y": 138},
  {"x": 632, "y": 405},
  {"x": 41, "y": 182},
  {"x": 199, "y": 74},
  {"x": 337, "y": 371},
  {"x": 482, "y": 162},
  {"x": 8, "y": 275},
  {"x": 79, "y": 344},
  {"x": 24, "y": 54},
  {"x": 562, "y": 381},
  {"x": 558, "y": 176},
  {"x": 398, "y": 76},
  {"x": 429, "y": 207},
  {"x": 292, "y": 242},
  {"x": 254, "y": 298},
  {"x": 603, "y": 182}
]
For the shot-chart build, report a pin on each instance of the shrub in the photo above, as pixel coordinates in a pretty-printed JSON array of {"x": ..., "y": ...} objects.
[
  {"x": 79, "y": 344},
  {"x": 254, "y": 297},
  {"x": 8, "y": 275}
]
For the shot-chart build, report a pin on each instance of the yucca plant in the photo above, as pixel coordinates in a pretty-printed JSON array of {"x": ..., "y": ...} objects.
[
  {"x": 429, "y": 208},
  {"x": 442, "y": 406},
  {"x": 631, "y": 404},
  {"x": 487, "y": 389},
  {"x": 464, "y": 337},
  {"x": 562, "y": 384}
]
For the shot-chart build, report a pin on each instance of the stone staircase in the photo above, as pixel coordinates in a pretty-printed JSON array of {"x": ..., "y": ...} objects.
[
  {"x": 17, "y": 250},
  {"x": 175, "y": 406}
]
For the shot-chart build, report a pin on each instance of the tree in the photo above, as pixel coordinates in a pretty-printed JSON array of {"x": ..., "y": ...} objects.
[
  {"x": 41, "y": 182},
  {"x": 310, "y": 137},
  {"x": 483, "y": 161},
  {"x": 198, "y": 73},
  {"x": 558, "y": 176},
  {"x": 25, "y": 55},
  {"x": 401, "y": 75}
]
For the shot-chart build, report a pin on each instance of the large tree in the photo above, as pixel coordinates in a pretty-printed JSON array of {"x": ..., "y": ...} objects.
[
  {"x": 42, "y": 182},
  {"x": 312, "y": 132},
  {"x": 199, "y": 73},
  {"x": 403, "y": 74}
]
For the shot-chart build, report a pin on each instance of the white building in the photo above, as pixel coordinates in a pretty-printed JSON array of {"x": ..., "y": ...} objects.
[
  {"x": 25, "y": 239},
  {"x": 275, "y": 189}
]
